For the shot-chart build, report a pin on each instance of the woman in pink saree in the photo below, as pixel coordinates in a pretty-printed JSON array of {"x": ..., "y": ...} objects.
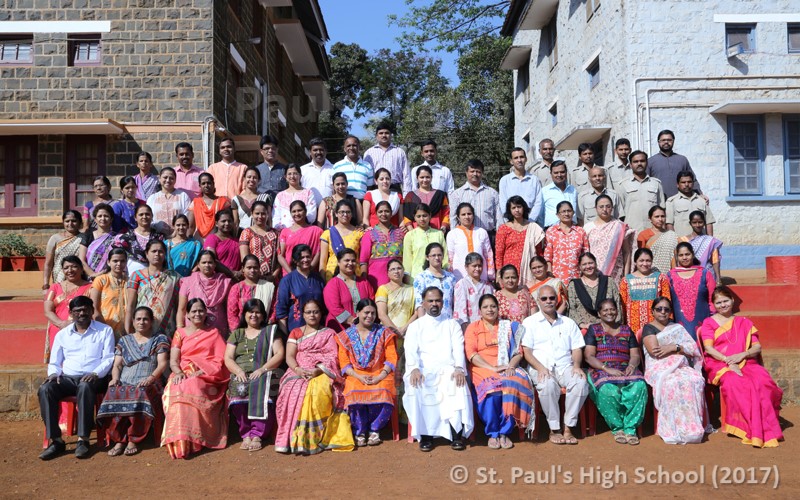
[
  {"x": 732, "y": 355},
  {"x": 610, "y": 239},
  {"x": 673, "y": 369},
  {"x": 194, "y": 399},
  {"x": 310, "y": 404}
]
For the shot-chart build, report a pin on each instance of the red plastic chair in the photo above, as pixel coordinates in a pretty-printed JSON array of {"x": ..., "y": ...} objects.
[
  {"x": 72, "y": 415},
  {"x": 583, "y": 417}
]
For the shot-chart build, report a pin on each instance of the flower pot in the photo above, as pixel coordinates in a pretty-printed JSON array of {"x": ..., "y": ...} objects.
[
  {"x": 21, "y": 263},
  {"x": 40, "y": 262}
]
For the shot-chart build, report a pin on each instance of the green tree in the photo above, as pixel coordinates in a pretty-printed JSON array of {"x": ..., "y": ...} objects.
[
  {"x": 449, "y": 25},
  {"x": 474, "y": 119}
]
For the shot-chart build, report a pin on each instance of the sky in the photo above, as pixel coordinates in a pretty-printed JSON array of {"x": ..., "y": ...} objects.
[{"x": 365, "y": 22}]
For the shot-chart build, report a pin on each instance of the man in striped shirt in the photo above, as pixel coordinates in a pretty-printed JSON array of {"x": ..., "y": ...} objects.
[
  {"x": 386, "y": 155},
  {"x": 358, "y": 171},
  {"x": 485, "y": 200}
]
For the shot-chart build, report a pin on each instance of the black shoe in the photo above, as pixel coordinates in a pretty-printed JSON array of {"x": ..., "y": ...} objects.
[
  {"x": 55, "y": 449},
  {"x": 458, "y": 444},
  {"x": 82, "y": 450},
  {"x": 425, "y": 444}
]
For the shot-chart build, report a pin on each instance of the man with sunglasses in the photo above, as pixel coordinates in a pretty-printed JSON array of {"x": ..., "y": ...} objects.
[
  {"x": 81, "y": 357},
  {"x": 552, "y": 346}
]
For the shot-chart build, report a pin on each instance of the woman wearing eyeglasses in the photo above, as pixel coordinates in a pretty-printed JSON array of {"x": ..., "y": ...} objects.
[{"x": 673, "y": 369}]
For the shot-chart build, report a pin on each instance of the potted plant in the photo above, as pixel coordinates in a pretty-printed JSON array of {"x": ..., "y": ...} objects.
[
  {"x": 39, "y": 257},
  {"x": 17, "y": 250}
]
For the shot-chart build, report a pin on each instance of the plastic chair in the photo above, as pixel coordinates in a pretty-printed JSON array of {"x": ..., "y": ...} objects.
[
  {"x": 72, "y": 425},
  {"x": 582, "y": 415}
]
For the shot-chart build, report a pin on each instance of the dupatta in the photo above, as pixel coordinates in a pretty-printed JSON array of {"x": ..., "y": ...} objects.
[
  {"x": 262, "y": 389},
  {"x": 608, "y": 244},
  {"x": 97, "y": 251},
  {"x": 533, "y": 236},
  {"x": 583, "y": 294}
]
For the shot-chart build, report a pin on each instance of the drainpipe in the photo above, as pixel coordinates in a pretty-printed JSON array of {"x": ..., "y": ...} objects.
[
  {"x": 208, "y": 143},
  {"x": 635, "y": 95}
]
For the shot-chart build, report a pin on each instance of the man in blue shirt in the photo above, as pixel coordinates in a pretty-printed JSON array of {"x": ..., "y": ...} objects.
[
  {"x": 521, "y": 183},
  {"x": 81, "y": 357},
  {"x": 556, "y": 192},
  {"x": 358, "y": 171}
]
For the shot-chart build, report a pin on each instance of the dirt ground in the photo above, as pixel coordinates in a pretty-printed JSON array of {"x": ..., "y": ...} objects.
[{"x": 722, "y": 466}]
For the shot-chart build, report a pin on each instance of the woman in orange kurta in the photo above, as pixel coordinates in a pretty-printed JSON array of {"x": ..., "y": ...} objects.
[
  {"x": 639, "y": 289},
  {"x": 205, "y": 207},
  {"x": 368, "y": 356},
  {"x": 503, "y": 391},
  {"x": 194, "y": 399}
]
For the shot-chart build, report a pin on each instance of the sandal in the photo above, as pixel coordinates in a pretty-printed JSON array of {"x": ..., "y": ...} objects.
[
  {"x": 619, "y": 437},
  {"x": 131, "y": 449},
  {"x": 117, "y": 450},
  {"x": 557, "y": 438},
  {"x": 374, "y": 439},
  {"x": 361, "y": 441},
  {"x": 506, "y": 443},
  {"x": 494, "y": 444},
  {"x": 632, "y": 439},
  {"x": 571, "y": 440},
  {"x": 245, "y": 444},
  {"x": 255, "y": 444}
]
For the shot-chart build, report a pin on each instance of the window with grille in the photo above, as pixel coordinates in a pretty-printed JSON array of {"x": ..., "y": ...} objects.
[
  {"x": 19, "y": 177},
  {"x": 84, "y": 50},
  {"x": 791, "y": 127},
  {"x": 745, "y": 155},
  {"x": 16, "y": 49},
  {"x": 86, "y": 159}
]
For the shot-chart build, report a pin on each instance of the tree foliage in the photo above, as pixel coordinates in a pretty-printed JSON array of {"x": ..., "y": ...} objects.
[{"x": 449, "y": 25}]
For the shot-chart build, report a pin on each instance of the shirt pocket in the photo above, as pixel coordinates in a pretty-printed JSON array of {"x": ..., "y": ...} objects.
[{"x": 652, "y": 194}]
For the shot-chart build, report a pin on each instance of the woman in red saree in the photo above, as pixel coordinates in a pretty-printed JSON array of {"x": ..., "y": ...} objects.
[
  {"x": 732, "y": 354},
  {"x": 56, "y": 302},
  {"x": 194, "y": 399}
]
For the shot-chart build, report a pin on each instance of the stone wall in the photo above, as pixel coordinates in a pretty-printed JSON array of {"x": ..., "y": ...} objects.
[{"x": 636, "y": 42}]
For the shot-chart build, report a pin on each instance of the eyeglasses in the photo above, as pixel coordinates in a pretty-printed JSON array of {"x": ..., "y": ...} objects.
[
  {"x": 547, "y": 299},
  {"x": 345, "y": 213},
  {"x": 662, "y": 309}
]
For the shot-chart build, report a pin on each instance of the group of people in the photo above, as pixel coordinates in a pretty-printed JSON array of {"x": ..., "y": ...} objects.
[{"x": 315, "y": 301}]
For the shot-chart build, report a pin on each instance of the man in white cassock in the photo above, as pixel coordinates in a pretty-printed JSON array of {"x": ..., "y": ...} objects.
[{"x": 437, "y": 399}]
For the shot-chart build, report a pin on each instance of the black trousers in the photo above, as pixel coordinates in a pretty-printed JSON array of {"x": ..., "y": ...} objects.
[{"x": 51, "y": 394}]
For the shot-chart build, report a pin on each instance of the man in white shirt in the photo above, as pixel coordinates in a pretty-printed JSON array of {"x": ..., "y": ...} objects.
[
  {"x": 437, "y": 399},
  {"x": 82, "y": 355},
  {"x": 552, "y": 346},
  {"x": 442, "y": 177},
  {"x": 317, "y": 174}
]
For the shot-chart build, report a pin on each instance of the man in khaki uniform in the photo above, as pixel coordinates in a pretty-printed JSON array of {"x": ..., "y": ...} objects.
[
  {"x": 541, "y": 170},
  {"x": 621, "y": 169},
  {"x": 684, "y": 203},
  {"x": 586, "y": 199},
  {"x": 640, "y": 193},
  {"x": 579, "y": 176}
]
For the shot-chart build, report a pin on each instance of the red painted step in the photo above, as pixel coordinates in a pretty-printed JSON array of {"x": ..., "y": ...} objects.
[
  {"x": 22, "y": 312},
  {"x": 777, "y": 330},
  {"x": 22, "y": 346},
  {"x": 783, "y": 269},
  {"x": 766, "y": 297}
]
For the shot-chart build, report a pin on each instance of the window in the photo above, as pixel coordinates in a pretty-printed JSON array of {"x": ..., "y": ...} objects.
[
  {"x": 741, "y": 38},
  {"x": 553, "y": 111},
  {"x": 745, "y": 155},
  {"x": 793, "y": 32},
  {"x": 16, "y": 49},
  {"x": 526, "y": 141},
  {"x": 599, "y": 156},
  {"x": 258, "y": 23},
  {"x": 18, "y": 176},
  {"x": 591, "y": 7},
  {"x": 550, "y": 34},
  {"x": 86, "y": 158},
  {"x": 84, "y": 50},
  {"x": 791, "y": 127},
  {"x": 523, "y": 81},
  {"x": 594, "y": 73}
]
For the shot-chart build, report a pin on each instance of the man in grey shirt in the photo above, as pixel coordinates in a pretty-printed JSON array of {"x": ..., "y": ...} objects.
[
  {"x": 666, "y": 164},
  {"x": 273, "y": 172}
]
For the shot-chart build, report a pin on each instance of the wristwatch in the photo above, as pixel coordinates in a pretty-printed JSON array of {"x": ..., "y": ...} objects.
[{"x": 678, "y": 348}]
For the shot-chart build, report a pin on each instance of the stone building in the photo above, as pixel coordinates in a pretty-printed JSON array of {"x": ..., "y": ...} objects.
[
  {"x": 85, "y": 87},
  {"x": 724, "y": 76}
]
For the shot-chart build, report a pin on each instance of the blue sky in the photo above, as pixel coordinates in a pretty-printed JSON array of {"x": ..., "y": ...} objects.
[{"x": 365, "y": 22}]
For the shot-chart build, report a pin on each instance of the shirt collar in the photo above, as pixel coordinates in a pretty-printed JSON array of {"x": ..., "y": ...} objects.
[{"x": 90, "y": 329}]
